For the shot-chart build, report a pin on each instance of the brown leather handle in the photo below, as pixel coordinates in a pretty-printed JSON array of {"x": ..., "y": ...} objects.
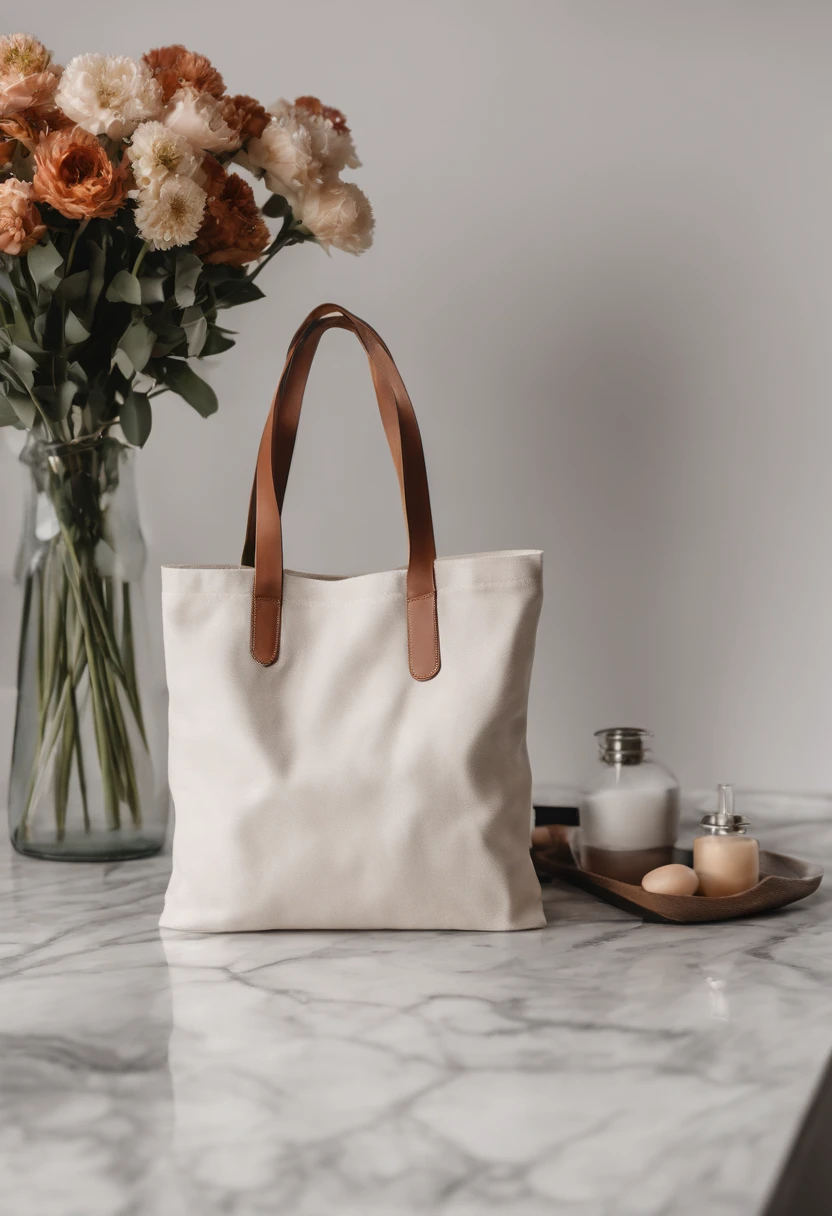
[{"x": 264, "y": 545}]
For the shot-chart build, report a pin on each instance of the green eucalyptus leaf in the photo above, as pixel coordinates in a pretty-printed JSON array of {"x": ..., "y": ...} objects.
[
  {"x": 23, "y": 407},
  {"x": 276, "y": 207},
  {"x": 216, "y": 342},
  {"x": 19, "y": 380},
  {"x": 229, "y": 295},
  {"x": 121, "y": 360},
  {"x": 73, "y": 289},
  {"x": 74, "y": 330},
  {"x": 183, "y": 381},
  {"x": 188, "y": 269},
  {"x": 66, "y": 396},
  {"x": 136, "y": 417},
  {"x": 10, "y": 291},
  {"x": 57, "y": 402},
  {"x": 43, "y": 261},
  {"x": 9, "y": 415},
  {"x": 152, "y": 289},
  {"x": 32, "y": 348},
  {"x": 23, "y": 363},
  {"x": 77, "y": 374},
  {"x": 124, "y": 289},
  {"x": 7, "y": 288},
  {"x": 222, "y": 273},
  {"x": 137, "y": 344},
  {"x": 97, "y": 398},
  {"x": 164, "y": 328},
  {"x": 50, "y": 326},
  {"x": 196, "y": 329},
  {"x": 97, "y": 260}
]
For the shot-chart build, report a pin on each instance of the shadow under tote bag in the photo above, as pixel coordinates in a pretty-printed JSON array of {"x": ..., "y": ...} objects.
[{"x": 350, "y": 753}]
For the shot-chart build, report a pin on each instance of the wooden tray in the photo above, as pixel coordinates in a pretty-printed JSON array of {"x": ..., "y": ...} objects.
[{"x": 784, "y": 880}]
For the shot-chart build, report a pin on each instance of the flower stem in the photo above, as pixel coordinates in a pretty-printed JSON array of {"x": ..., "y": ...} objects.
[
  {"x": 75, "y": 237},
  {"x": 138, "y": 262}
]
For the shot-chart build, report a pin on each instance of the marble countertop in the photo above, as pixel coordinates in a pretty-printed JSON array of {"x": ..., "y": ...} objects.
[{"x": 600, "y": 1067}]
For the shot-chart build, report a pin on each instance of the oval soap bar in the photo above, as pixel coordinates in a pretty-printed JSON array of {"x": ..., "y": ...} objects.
[{"x": 671, "y": 880}]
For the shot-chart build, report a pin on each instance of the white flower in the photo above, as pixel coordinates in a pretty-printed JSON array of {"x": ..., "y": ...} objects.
[
  {"x": 321, "y": 131},
  {"x": 339, "y": 214},
  {"x": 300, "y": 150},
  {"x": 108, "y": 94},
  {"x": 172, "y": 214},
  {"x": 156, "y": 153},
  {"x": 284, "y": 165},
  {"x": 199, "y": 118}
]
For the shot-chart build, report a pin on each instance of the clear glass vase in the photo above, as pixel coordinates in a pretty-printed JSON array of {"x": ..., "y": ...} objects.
[{"x": 88, "y": 774}]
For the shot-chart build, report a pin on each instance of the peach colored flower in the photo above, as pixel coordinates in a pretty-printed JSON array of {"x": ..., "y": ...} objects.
[
  {"x": 246, "y": 115},
  {"x": 27, "y": 127},
  {"x": 339, "y": 214},
  {"x": 233, "y": 231},
  {"x": 74, "y": 175},
  {"x": 21, "y": 226},
  {"x": 175, "y": 66},
  {"x": 28, "y": 78},
  {"x": 199, "y": 118}
]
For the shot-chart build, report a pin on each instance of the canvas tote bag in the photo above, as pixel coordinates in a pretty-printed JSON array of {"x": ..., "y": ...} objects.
[{"x": 350, "y": 753}]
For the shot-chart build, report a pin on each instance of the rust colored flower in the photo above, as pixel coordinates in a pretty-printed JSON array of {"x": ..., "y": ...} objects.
[
  {"x": 28, "y": 77},
  {"x": 314, "y": 105},
  {"x": 246, "y": 115},
  {"x": 74, "y": 175},
  {"x": 176, "y": 66},
  {"x": 214, "y": 176},
  {"x": 233, "y": 231},
  {"x": 21, "y": 226}
]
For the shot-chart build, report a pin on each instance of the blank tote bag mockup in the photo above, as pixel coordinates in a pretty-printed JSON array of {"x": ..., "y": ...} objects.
[{"x": 350, "y": 753}]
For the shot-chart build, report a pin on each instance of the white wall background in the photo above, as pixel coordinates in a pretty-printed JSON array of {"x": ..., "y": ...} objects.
[{"x": 604, "y": 263}]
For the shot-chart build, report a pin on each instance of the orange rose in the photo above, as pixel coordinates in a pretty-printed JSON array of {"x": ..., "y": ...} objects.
[
  {"x": 20, "y": 224},
  {"x": 74, "y": 175},
  {"x": 233, "y": 231}
]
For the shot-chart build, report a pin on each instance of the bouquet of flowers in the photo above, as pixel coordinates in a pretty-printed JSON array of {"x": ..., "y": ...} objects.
[{"x": 126, "y": 232}]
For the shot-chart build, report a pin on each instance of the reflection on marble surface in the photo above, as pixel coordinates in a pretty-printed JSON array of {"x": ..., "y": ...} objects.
[{"x": 600, "y": 1067}]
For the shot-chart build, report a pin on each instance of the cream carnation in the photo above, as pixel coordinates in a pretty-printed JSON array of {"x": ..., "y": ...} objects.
[
  {"x": 156, "y": 153},
  {"x": 199, "y": 118},
  {"x": 339, "y": 214},
  {"x": 276, "y": 157},
  {"x": 322, "y": 131},
  {"x": 171, "y": 215},
  {"x": 304, "y": 146},
  {"x": 108, "y": 94}
]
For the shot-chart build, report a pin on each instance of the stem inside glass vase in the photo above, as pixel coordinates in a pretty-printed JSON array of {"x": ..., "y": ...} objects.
[{"x": 81, "y": 765}]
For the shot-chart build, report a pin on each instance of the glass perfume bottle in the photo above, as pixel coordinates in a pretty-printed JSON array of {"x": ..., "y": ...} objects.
[
  {"x": 629, "y": 811},
  {"x": 726, "y": 860}
]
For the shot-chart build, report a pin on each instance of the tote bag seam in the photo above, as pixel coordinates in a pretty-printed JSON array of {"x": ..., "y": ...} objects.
[{"x": 368, "y": 599}]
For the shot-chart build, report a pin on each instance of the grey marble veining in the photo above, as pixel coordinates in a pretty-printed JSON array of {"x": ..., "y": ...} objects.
[{"x": 600, "y": 1067}]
